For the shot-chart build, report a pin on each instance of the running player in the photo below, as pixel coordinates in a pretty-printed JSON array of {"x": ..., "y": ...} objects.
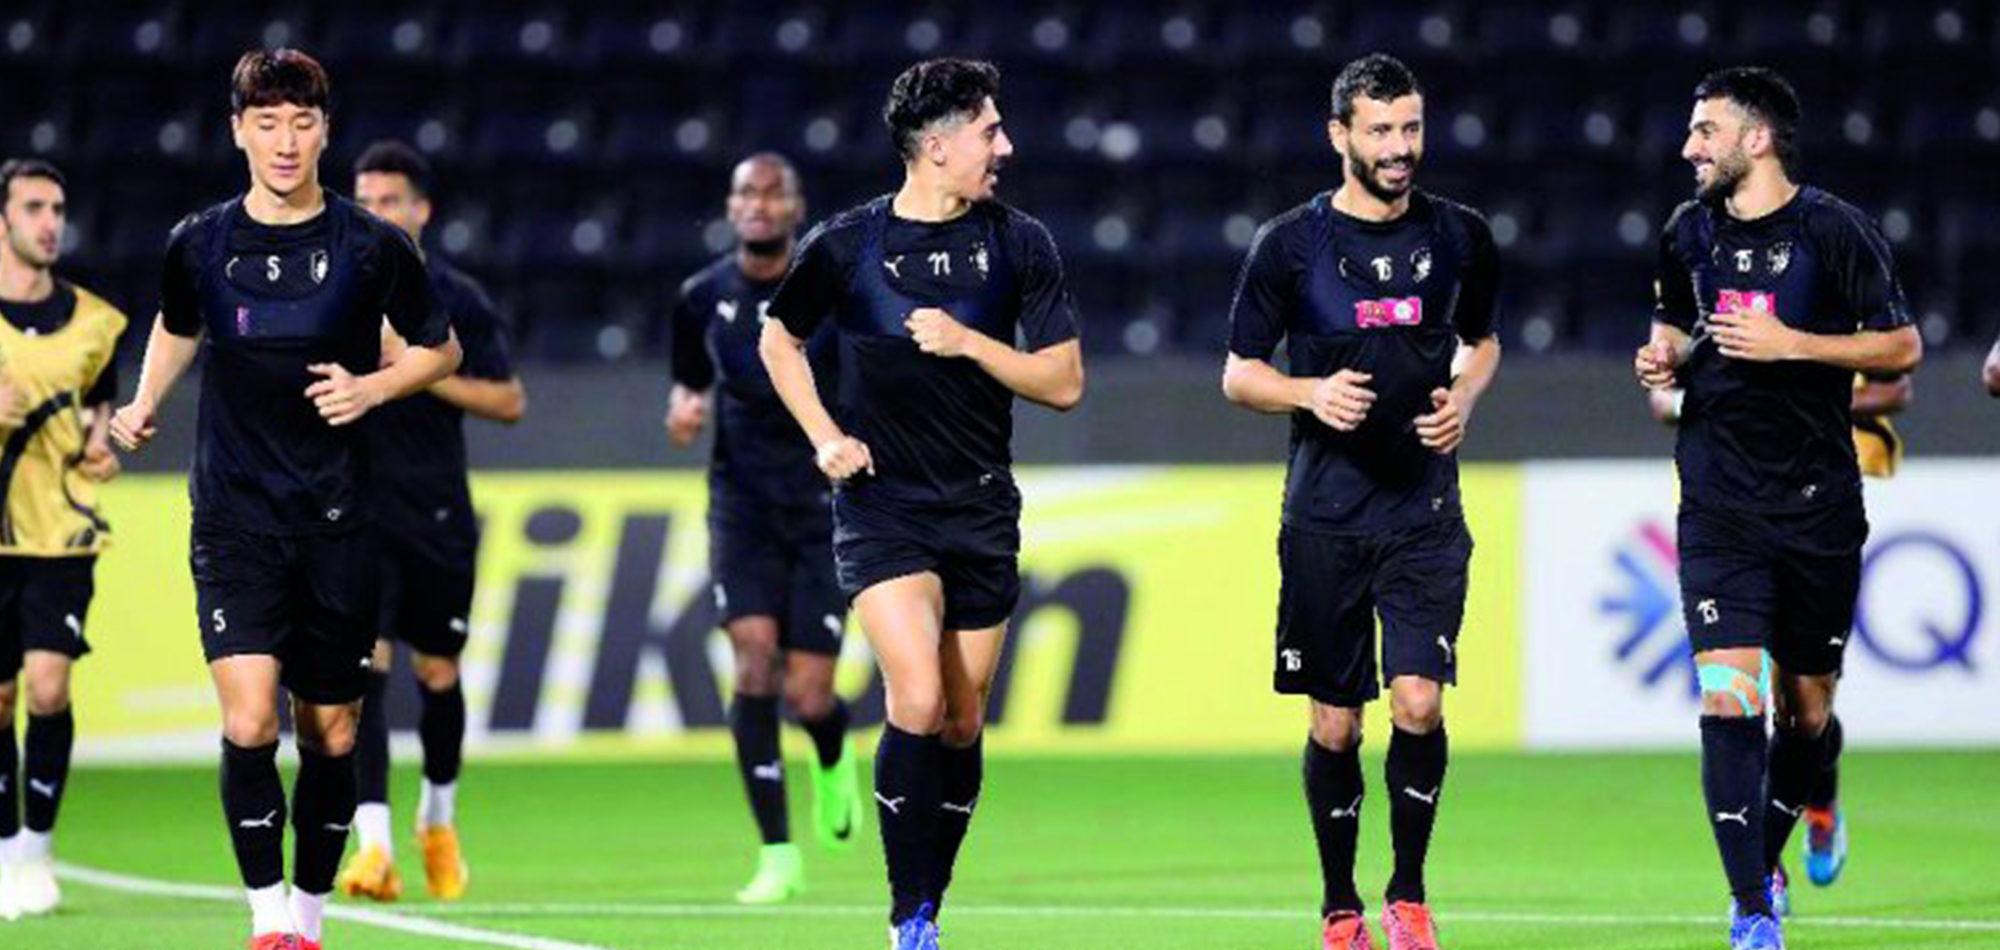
[
  {"x": 1385, "y": 297},
  {"x": 284, "y": 290},
  {"x": 770, "y": 525},
  {"x": 929, "y": 289},
  {"x": 57, "y": 380},
  {"x": 428, "y": 542},
  {"x": 1878, "y": 449},
  {"x": 1772, "y": 295}
]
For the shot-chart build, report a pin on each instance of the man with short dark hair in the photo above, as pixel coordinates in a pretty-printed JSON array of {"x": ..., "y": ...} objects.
[
  {"x": 58, "y": 344},
  {"x": 428, "y": 537},
  {"x": 1385, "y": 297},
  {"x": 284, "y": 290},
  {"x": 929, "y": 289},
  {"x": 770, "y": 525},
  {"x": 1771, "y": 296}
]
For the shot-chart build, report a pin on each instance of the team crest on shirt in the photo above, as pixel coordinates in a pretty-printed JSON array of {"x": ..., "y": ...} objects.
[
  {"x": 1420, "y": 263},
  {"x": 979, "y": 258},
  {"x": 1778, "y": 257},
  {"x": 321, "y": 264},
  {"x": 1385, "y": 268},
  {"x": 726, "y": 309}
]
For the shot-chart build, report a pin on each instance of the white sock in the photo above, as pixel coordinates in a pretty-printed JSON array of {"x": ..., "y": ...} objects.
[
  {"x": 438, "y": 806},
  {"x": 7, "y": 846},
  {"x": 307, "y": 909},
  {"x": 269, "y": 913},
  {"x": 31, "y": 846},
  {"x": 371, "y": 822}
]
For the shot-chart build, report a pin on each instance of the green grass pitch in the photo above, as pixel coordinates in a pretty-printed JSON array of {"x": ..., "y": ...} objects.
[{"x": 1546, "y": 852}]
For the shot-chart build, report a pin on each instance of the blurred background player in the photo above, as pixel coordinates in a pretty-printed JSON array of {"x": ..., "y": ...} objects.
[
  {"x": 428, "y": 542},
  {"x": 929, "y": 288},
  {"x": 284, "y": 291},
  {"x": 770, "y": 525},
  {"x": 1772, "y": 296},
  {"x": 57, "y": 381},
  {"x": 1384, "y": 296}
]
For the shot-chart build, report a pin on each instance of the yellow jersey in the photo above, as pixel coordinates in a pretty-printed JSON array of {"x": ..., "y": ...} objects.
[{"x": 50, "y": 507}]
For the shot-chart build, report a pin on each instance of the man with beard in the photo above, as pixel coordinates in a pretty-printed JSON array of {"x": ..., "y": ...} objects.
[
  {"x": 770, "y": 526},
  {"x": 1771, "y": 296},
  {"x": 57, "y": 379},
  {"x": 429, "y": 543},
  {"x": 1385, "y": 298},
  {"x": 931, "y": 290}
]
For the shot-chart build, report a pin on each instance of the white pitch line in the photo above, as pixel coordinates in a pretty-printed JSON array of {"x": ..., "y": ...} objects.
[
  {"x": 1193, "y": 913},
  {"x": 374, "y": 918}
]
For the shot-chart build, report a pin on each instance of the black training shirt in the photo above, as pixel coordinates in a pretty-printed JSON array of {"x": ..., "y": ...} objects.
[
  {"x": 268, "y": 301},
  {"x": 1772, "y": 437},
  {"x": 1392, "y": 299}
]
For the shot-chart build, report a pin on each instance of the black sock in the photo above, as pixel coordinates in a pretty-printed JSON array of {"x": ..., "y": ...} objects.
[
  {"x": 753, "y": 720},
  {"x": 322, "y": 809},
  {"x": 371, "y": 742},
  {"x": 906, "y": 795},
  {"x": 441, "y": 725},
  {"x": 829, "y": 733},
  {"x": 50, "y": 739},
  {"x": 1826, "y": 788},
  {"x": 1795, "y": 760},
  {"x": 253, "y": 802},
  {"x": 1415, "y": 771},
  {"x": 10, "y": 782},
  {"x": 960, "y": 773},
  {"x": 1733, "y": 755},
  {"x": 1334, "y": 790}
]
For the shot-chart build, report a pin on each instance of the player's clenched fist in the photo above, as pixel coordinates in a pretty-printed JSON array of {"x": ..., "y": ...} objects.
[
  {"x": 133, "y": 426},
  {"x": 843, "y": 457}
]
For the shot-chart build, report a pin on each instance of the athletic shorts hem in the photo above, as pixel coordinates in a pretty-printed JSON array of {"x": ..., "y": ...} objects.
[{"x": 1329, "y": 697}]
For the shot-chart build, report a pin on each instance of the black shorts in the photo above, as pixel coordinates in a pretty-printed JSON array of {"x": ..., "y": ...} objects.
[
  {"x": 44, "y": 602},
  {"x": 776, "y": 561},
  {"x": 972, "y": 546},
  {"x": 312, "y": 601},
  {"x": 426, "y": 592},
  {"x": 1335, "y": 585},
  {"x": 1786, "y": 583}
]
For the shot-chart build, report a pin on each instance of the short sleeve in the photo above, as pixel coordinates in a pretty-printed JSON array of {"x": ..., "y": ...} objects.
[
  {"x": 1863, "y": 267},
  {"x": 405, "y": 294},
  {"x": 180, "y": 281},
  {"x": 689, "y": 357},
  {"x": 1048, "y": 312},
  {"x": 812, "y": 285},
  {"x": 1673, "y": 285},
  {"x": 482, "y": 334},
  {"x": 1266, "y": 294},
  {"x": 1477, "y": 315}
]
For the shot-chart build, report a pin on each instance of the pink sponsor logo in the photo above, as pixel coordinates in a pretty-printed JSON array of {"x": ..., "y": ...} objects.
[
  {"x": 1746, "y": 301},
  {"x": 1389, "y": 312}
]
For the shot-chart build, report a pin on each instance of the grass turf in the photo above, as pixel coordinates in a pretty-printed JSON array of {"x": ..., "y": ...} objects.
[{"x": 1548, "y": 852}]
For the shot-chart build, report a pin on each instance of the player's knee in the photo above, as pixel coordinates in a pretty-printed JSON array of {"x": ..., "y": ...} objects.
[
  {"x": 962, "y": 727},
  {"x": 1416, "y": 705},
  {"x": 918, "y": 711},
  {"x": 809, "y": 700},
  {"x": 1727, "y": 690},
  {"x": 1336, "y": 729},
  {"x": 438, "y": 674},
  {"x": 8, "y": 691},
  {"x": 250, "y": 729},
  {"x": 333, "y": 738},
  {"x": 1806, "y": 719},
  {"x": 47, "y": 696}
]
